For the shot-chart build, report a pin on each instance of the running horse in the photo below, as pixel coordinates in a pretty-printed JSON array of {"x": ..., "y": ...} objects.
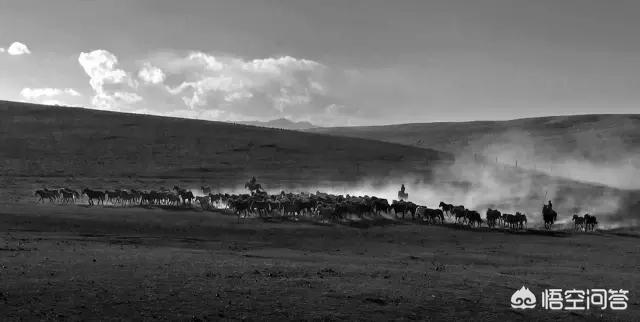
[
  {"x": 186, "y": 195},
  {"x": 549, "y": 215},
  {"x": 94, "y": 195}
]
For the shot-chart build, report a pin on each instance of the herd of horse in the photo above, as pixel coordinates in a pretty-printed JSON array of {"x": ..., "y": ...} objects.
[
  {"x": 176, "y": 197},
  {"x": 324, "y": 206}
]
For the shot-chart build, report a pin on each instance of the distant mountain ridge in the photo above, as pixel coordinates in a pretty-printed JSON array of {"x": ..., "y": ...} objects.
[{"x": 281, "y": 123}]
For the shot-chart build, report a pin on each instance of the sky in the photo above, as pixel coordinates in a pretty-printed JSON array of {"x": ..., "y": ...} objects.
[{"x": 330, "y": 62}]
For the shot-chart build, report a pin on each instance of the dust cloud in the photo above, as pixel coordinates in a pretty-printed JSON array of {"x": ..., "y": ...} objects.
[
  {"x": 587, "y": 158},
  {"x": 512, "y": 173}
]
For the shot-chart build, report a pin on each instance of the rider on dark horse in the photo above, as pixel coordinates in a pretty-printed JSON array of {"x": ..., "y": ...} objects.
[
  {"x": 402, "y": 188},
  {"x": 549, "y": 205}
]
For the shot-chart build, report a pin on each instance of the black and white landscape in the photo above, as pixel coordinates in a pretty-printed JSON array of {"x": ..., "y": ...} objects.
[{"x": 316, "y": 160}]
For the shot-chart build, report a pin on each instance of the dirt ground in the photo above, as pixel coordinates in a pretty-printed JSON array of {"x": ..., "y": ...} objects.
[{"x": 79, "y": 263}]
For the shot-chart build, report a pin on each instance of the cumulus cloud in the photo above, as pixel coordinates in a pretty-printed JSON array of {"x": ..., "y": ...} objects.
[
  {"x": 216, "y": 87},
  {"x": 49, "y": 96},
  {"x": 278, "y": 66},
  {"x": 35, "y": 93},
  {"x": 18, "y": 48},
  {"x": 151, "y": 74},
  {"x": 111, "y": 85},
  {"x": 100, "y": 66},
  {"x": 127, "y": 97},
  {"x": 226, "y": 88},
  {"x": 268, "y": 87},
  {"x": 53, "y": 102},
  {"x": 209, "y": 62},
  {"x": 72, "y": 92},
  {"x": 115, "y": 100}
]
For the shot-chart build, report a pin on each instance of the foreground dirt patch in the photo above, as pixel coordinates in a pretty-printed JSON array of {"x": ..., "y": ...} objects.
[{"x": 74, "y": 263}]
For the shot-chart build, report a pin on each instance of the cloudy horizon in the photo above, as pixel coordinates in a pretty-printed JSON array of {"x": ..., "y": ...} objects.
[{"x": 348, "y": 63}]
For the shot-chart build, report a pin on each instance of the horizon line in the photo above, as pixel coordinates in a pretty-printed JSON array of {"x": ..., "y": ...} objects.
[{"x": 314, "y": 126}]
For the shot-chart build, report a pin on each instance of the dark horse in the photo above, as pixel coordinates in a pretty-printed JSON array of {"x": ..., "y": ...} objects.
[
  {"x": 460, "y": 213},
  {"x": 93, "y": 194},
  {"x": 446, "y": 208},
  {"x": 45, "y": 195},
  {"x": 186, "y": 195},
  {"x": 549, "y": 215},
  {"x": 492, "y": 217}
]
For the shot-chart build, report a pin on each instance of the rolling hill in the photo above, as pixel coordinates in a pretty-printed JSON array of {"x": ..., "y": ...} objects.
[
  {"x": 594, "y": 148},
  {"x": 588, "y": 135},
  {"x": 54, "y": 141}
]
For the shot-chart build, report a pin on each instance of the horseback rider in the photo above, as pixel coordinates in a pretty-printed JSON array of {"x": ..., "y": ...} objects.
[
  {"x": 549, "y": 206},
  {"x": 253, "y": 180},
  {"x": 402, "y": 195}
]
